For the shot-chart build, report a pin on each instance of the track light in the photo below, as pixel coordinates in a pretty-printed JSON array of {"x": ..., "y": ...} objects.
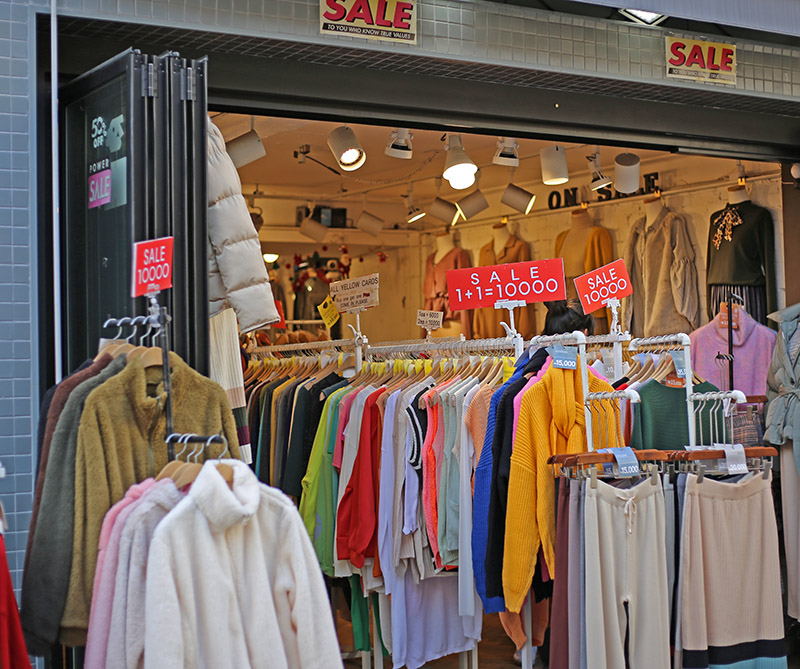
[
  {"x": 506, "y": 153},
  {"x": 554, "y": 165},
  {"x": 599, "y": 180},
  {"x": 459, "y": 170},
  {"x": 245, "y": 149},
  {"x": 518, "y": 198},
  {"x": 346, "y": 149},
  {"x": 444, "y": 211},
  {"x": 399, "y": 145},
  {"x": 414, "y": 213},
  {"x": 367, "y": 222},
  {"x": 313, "y": 230},
  {"x": 626, "y": 172},
  {"x": 473, "y": 204}
]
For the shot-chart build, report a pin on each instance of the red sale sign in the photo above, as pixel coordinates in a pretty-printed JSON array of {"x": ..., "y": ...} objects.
[
  {"x": 534, "y": 281},
  {"x": 610, "y": 281},
  {"x": 152, "y": 266}
]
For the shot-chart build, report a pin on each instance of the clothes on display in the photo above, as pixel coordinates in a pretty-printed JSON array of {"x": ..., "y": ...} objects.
[
  {"x": 237, "y": 276},
  {"x": 434, "y": 288},
  {"x": 177, "y": 563},
  {"x": 661, "y": 263},
  {"x": 752, "y": 349},
  {"x": 486, "y": 322},
  {"x": 741, "y": 253},
  {"x": 12, "y": 643},
  {"x": 109, "y": 436}
]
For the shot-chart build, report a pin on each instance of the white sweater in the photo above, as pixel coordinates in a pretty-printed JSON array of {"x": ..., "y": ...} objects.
[{"x": 233, "y": 581}]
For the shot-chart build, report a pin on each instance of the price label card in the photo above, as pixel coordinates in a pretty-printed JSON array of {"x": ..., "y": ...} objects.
[
  {"x": 680, "y": 364},
  {"x": 610, "y": 281},
  {"x": 356, "y": 294},
  {"x": 564, "y": 357},
  {"x": 626, "y": 461},
  {"x": 735, "y": 458},
  {"x": 533, "y": 281},
  {"x": 429, "y": 320},
  {"x": 328, "y": 312}
]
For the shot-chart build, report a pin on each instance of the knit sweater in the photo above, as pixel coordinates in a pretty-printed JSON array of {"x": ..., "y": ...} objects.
[
  {"x": 232, "y": 581},
  {"x": 46, "y": 579},
  {"x": 551, "y": 422},
  {"x": 121, "y": 441},
  {"x": 753, "y": 344}
]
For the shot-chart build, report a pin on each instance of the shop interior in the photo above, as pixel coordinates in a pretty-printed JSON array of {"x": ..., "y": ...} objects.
[{"x": 395, "y": 210}]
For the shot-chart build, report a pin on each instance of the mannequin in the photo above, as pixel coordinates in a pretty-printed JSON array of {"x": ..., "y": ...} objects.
[
  {"x": 501, "y": 234},
  {"x": 652, "y": 208},
  {"x": 573, "y": 249},
  {"x": 737, "y": 194},
  {"x": 444, "y": 244}
]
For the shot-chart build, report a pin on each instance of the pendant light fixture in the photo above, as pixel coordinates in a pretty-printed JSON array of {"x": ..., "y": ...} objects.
[
  {"x": 506, "y": 153},
  {"x": 399, "y": 145},
  {"x": 459, "y": 170},
  {"x": 346, "y": 149},
  {"x": 554, "y": 165},
  {"x": 599, "y": 180},
  {"x": 626, "y": 172},
  {"x": 367, "y": 222},
  {"x": 474, "y": 203}
]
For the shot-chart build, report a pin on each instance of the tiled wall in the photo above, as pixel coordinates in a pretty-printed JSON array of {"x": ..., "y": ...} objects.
[{"x": 482, "y": 32}]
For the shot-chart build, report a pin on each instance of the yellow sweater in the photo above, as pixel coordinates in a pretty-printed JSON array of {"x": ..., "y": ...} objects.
[
  {"x": 121, "y": 442},
  {"x": 551, "y": 421}
]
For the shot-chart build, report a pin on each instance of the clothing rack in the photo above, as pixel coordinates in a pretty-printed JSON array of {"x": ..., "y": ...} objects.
[
  {"x": 724, "y": 398},
  {"x": 314, "y": 347},
  {"x": 448, "y": 344},
  {"x": 191, "y": 438},
  {"x": 676, "y": 342}
]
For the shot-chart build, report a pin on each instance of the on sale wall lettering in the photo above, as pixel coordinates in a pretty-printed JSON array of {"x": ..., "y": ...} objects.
[
  {"x": 697, "y": 60},
  {"x": 385, "y": 20}
]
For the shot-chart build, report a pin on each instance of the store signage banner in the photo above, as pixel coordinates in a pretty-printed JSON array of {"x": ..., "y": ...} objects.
[
  {"x": 534, "y": 281},
  {"x": 696, "y": 60},
  {"x": 382, "y": 20},
  {"x": 152, "y": 266},
  {"x": 356, "y": 294},
  {"x": 610, "y": 281}
]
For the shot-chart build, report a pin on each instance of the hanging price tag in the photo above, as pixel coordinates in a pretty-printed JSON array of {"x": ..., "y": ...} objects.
[
  {"x": 564, "y": 357},
  {"x": 329, "y": 312},
  {"x": 429, "y": 320},
  {"x": 735, "y": 458},
  {"x": 627, "y": 464},
  {"x": 680, "y": 367}
]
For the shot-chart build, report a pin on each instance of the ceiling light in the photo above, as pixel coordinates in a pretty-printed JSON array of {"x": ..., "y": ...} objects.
[
  {"x": 245, "y": 149},
  {"x": 644, "y": 17},
  {"x": 346, "y": 149},
  {"x": 414, "y": 213},
  {"x": 626, "y": 172},
  {"x": 472, "y": 205},
  {"x": 459, "y": 170},
  {"x": 518, "y": 198},
  {"x": 313, "y": 230},
  {"x": 270, "y": 258},
  {"x": 506, "y": 153},
  {"x": 369, "y": 223},
  {"x": 444, "y": 211},
  {"x": 599, "y": 180},
  {"x": 554, "y": 165},
  {"x": 399, "y": 145}
]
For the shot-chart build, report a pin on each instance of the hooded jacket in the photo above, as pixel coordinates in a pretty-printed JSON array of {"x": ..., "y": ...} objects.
[
  {"x": 783, "y": 383},
  {"x": 232, "y": 581},
  {"x": 237, "y": 275}
]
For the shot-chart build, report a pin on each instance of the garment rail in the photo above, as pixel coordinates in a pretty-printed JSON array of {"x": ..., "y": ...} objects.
[
  {"x": 722, "y": 401},
  {"x": 664, "y": 344},
  {"x": 434, "y": 344},
  {"x": 314, "y": 347}
]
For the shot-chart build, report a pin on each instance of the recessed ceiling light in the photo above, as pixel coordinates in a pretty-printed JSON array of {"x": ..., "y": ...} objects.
[{"x": 644, "y": 17}]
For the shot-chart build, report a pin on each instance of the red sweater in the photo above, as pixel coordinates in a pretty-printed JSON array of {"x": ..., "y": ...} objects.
[{"x": 12, "y": 646}]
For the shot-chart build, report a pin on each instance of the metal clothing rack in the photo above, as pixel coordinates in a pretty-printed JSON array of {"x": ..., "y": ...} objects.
[
  {"x": 433, "y": 344},
  {"x": 354, "y": 345}
]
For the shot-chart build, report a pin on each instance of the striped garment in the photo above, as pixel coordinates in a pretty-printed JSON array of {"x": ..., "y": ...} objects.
[{"x": 755, "y": 299}]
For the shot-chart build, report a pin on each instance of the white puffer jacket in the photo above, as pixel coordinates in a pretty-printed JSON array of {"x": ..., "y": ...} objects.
[{"x": 237, "y": 276}]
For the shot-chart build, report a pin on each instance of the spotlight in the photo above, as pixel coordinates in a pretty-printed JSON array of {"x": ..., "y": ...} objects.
[
  {"x": 346, "y": 149},
  {"x": 554, "y": 165},
  {"x": 270, "y": 258},
  {"x": 245, "y": 149},
  {"x": 414, "y": 213},
  {"x": 369, "y": 223},
  {"x": 506, "y": 153},
  {"x": 471, "y": 205},
  {"x": 626, "y": 172},
  {"x": 444, "y": 211},
  {"x": 599, "y": 180},
  {"x": 313, "y": 230},
  {"x": 518, "y": 198},
  {"x": 399, "y": 145},
  {"x": 459, "y": 170}
]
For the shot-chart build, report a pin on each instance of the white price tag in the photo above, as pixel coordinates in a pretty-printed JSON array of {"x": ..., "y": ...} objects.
[
  {"x": 247, "y": 453},
  {"x": 735, "y": 459},
  {"x": 429, "y": 320}
]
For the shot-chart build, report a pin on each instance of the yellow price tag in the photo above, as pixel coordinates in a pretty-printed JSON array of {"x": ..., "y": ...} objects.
[
  {"x": 508, "y": 369},
  {"x": 329, "y": 312},
  {"x": 428, "y": 366}
]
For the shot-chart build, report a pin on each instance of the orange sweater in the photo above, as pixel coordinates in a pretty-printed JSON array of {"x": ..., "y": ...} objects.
[{"x": 551, "y": 421}]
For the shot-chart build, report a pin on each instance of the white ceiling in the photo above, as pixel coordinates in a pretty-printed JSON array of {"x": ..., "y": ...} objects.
[{"x": 280, "y": 174}]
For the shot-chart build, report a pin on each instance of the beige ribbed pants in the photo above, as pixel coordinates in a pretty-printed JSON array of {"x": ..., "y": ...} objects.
[
  {"x": 790, "y": 500},
  {"x": 626, "y": 565},
  {"x": 730, "y": 575}
]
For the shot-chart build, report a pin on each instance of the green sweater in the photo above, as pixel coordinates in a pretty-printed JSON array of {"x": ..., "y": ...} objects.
[{"x": 660, "y": 420}]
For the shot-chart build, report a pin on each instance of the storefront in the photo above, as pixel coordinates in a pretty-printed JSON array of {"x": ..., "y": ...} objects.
[{"x": 480, "y": 71}]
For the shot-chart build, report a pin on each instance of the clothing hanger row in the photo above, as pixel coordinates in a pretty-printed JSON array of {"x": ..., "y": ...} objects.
[
  {"x": 184, "y": 473},
  {"x": 150, "y": 355}
]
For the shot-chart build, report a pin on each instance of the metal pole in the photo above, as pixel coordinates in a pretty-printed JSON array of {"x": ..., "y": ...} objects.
[{"x": 55, "y": 193}]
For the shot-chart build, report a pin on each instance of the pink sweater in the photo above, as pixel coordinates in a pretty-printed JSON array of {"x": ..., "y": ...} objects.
[{"x": 753, "y": 344}]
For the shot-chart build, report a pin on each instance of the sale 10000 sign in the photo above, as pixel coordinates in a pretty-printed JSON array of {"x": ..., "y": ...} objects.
[{"x": 534, "y": 281}]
